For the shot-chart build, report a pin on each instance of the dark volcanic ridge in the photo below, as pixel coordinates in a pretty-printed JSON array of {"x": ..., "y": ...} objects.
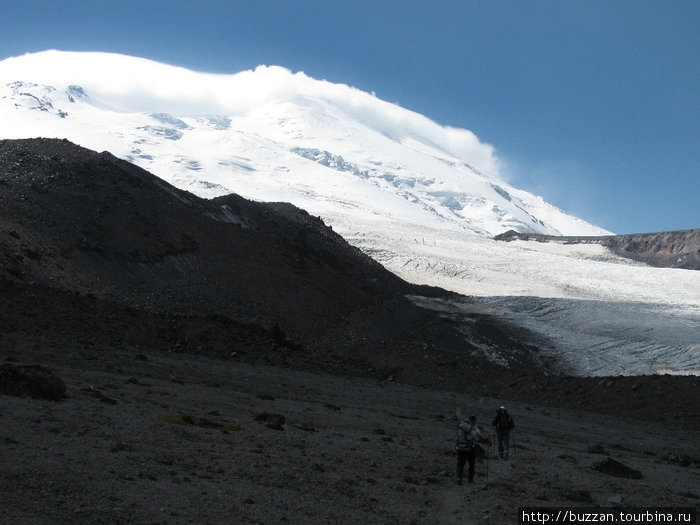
[
  {"x": 676, "y": 249},
  {"x": 78, "y": 222},
  {"x": 98, "y": 255}
]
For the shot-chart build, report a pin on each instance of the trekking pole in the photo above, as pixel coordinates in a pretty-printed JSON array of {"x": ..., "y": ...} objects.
[{"x": 487, "y": 466}]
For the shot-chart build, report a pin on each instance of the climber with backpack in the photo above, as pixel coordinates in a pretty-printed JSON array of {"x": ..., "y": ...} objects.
[
  {"x": 504, "y": 424},
  {"x": 467, "y": 435}
]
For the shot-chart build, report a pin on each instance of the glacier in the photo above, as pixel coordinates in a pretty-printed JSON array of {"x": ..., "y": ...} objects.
[{"x": 423, "y": 199}]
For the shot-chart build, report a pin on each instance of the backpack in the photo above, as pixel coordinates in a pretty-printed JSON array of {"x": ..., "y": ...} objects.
[
  {"x": 464, "y": 438},
  {"x": 504, "y": 421}
]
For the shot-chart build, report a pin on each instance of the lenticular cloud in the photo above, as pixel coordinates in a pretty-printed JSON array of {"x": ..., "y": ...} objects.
[{"x": 130, "y": 84}]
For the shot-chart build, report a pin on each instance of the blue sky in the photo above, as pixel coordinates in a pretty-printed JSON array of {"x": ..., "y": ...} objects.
[{"x": 595, "y": 105}]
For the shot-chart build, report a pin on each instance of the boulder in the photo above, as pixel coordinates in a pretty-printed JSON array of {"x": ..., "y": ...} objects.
[
  {"x": 614, "y": 468},
  {"x": 273, "y": 421},
  {"x": 31, "y": 380}
]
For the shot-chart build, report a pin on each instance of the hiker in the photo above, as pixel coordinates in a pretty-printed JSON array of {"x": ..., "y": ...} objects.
[
  {"x": 504, "y": 424},
  {"x": 467, "y": 434}
]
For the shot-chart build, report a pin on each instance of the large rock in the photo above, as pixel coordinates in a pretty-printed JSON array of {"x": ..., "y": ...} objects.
[
  {"x": 614, "y": 468},
  {"x": 31, "y": 380}
]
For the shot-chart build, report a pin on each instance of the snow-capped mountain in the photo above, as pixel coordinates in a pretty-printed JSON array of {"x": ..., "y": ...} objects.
[
  {"x": 272, "y": 135},
  {"x": 421, "y": 198}
]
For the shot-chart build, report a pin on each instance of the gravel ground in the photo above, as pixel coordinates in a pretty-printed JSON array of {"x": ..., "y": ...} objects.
[{"x": 172, "y": 438}]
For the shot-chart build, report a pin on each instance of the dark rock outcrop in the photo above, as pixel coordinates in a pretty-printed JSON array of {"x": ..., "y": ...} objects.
[
  {"x": 676, "y": 249},
  {"x": 31, "y": 381},
  {"x": 679, "y": 249}
]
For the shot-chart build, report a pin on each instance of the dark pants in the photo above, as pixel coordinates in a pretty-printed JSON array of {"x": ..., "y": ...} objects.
[
  {"x": 464, "y": 456},
  {"x": 503, "y": 438}
]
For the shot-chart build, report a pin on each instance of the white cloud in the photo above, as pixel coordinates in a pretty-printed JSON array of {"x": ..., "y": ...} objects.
[{"x": 130, "y": 84}]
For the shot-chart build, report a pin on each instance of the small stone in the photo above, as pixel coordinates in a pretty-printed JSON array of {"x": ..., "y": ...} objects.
[
  {"x": 580, "y": 496},
  {"x": 273, "y": 421},
  {"x": 596, "y": 449},
  {"x": 615, "y": 500}
]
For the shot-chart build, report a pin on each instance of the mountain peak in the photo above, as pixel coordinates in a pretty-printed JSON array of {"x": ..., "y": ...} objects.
[{"x": 256, "y": 132}]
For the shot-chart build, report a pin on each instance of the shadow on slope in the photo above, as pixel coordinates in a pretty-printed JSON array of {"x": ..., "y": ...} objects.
[{"x": 135, "y": 253}]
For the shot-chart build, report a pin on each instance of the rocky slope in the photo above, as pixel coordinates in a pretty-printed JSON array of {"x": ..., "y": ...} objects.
[
  {"x": 89, "y": 224},
  {"x": 677, "y": 249}
]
